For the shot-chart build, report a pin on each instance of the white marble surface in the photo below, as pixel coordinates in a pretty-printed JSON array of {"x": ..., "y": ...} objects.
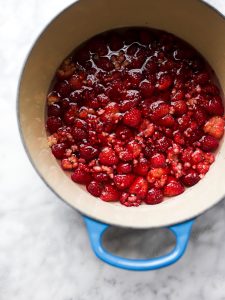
[{"x": 44, "y": 248}]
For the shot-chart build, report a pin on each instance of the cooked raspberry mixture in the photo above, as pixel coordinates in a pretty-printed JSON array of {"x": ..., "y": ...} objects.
[{"x": 135, "y": 115}]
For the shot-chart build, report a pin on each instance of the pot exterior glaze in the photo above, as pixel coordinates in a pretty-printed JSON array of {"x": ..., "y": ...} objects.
[{"x": 193, "y": 21}]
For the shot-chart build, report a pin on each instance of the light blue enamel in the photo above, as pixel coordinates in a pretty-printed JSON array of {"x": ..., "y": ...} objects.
[{"x": 181, "y": 231}]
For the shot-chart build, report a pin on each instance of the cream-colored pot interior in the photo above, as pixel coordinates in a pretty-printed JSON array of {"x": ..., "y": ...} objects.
[{"x": 191, "y": 20}]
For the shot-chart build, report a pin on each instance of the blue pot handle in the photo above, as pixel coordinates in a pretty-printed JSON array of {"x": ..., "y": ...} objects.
[{"x": 181, "y": 232}]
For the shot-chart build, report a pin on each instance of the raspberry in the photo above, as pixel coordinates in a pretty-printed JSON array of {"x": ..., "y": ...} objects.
[
  {"x": 79, "y": 134},
  {"x": 209, "y": 143},
  {"x": 94, "y": 188},
  {"x": 197, "y": 156},
  {"x": 100, "y": 177},
  {"x": 124, "y": 133},
  {"x": 154, "y": 196},
  {"x": 142, "y": 167},
  {"x": 54, "y": 110},
  {"x": 81, "y": 176},
  {"x": 173, "y": 188},
  {"x": 146, "y": 88},
  {"x": 159, "y": 110},
  {"x": 132, "y": 118},
  {"x": 215, "y": 127},
  {"x": 70, "y": 115},
  {"x": 108, "y": 157},
  {"x": 215, "y": 106},
  {"x": 63, "y": 88},
  {"x": 75, "y": 82},
  {"x": 69, "y": 163},
  {"x": 180, "y": 107},
  {"x": 53, "y": 124},
  {"x": 167, "y": 121},
  {"x": 162, "y": 144},
  {"x": 130, "y": 200},
  {"x": 88, "y": 152},
  {"x": 124, "y": 168},
  {"x": 164, "y": 82},
  {"x": 109, "y": 193},
  {"x": 157, "y": 177},
  {"x": 123, "y": 181},
  {"x": 200, "y": 116},
  {"x": 158, "y": 160},
  {"x": 134, "y": 148},
  {"x": 202, "y": 168},
  {"x": 126, "y": 155},
  {"x": 191, "y": 178},
  {"x": 58, "y": 150},
  {"x": 139, "y": 187}
]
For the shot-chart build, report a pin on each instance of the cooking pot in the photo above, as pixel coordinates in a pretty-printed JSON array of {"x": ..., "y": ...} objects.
[{"x": 193, "y": 21}]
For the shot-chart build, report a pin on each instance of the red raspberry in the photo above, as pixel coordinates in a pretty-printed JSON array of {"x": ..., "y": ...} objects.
[
  {"x": 139, "y": 187},
  {"x": 126, "y": 155},
  {"x": 109, "y": 193},
  {"x": 146, "y": 88},
  {"x": 70, "y": 115},
  {"x": 130, "y": 200},
  {"x": 215, "y": 106},
  {"x": 75, "y": 82},
  {"x": 162, "y": 144},
  {"x": 197, "y": 156},
  {"x": 124, "y": 168},
  {"x": 88, "y": 152},
  {"x": 103, "y": 100},
  {"x": 209, "y": 143},
  {"x": 164, "y": 82},
  {"x": 53, "y": 124},
  {"x": 167, "y": 121},
  {"x": 191, "y": 178},
  {"x": 81, "y": 176},
  {"x": 123, "y": 133},
  {"x": 63, "y": 88},
  {"x": 132, "y": 118},
  {"x": 94, "y": 188},
  {"x": 180, "y": 107},
  {"x": 58, "y": 150},
  {"x": 154, "y": 196},
  {"x": 159, "y": 110},
  {"x": 79, "y": 134},
  {"x": 111, "y": 113},
  {"x": 215, "y": 127},
  {"x": 173, "y": 188},
  {"x": 200, "y": 116},
  {"x": 158, "y": 160},
  {"x": 123, "y": 181},
  {"x": 134, "y": 148},
  {"x": 108, "y": 157},
  {"x": 54, "y": 110},
  {"x": 100, "y": 177},
  {"x": 132, "y": 80},
  {"x": 202, "y": 168},
  {"x": 142, "y": 167}
]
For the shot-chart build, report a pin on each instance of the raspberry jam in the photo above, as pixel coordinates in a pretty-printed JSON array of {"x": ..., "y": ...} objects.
[{"x": 136, "y": 115}]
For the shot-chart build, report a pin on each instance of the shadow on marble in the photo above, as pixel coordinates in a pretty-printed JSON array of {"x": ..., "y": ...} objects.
[{"x": 149, "y": 243}]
